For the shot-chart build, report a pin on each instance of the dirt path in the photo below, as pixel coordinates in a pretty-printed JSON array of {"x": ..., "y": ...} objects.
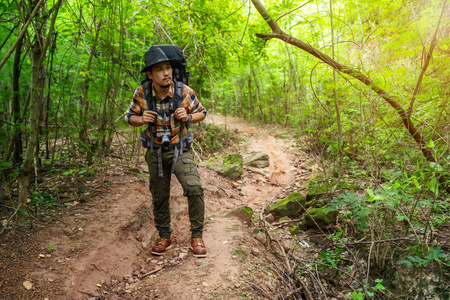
[{"x": 99, "y": 247}]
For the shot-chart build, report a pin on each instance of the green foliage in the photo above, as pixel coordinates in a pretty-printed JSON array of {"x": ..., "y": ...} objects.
[
  {"x": 75, "y": 171},
  {"x": 212, "y": 139},
  {"x": 39, "y": 204},
  {"x": 423, "y": 255},
  {"x": 330, "y": 257},
  {"x": 359, "y": 294},
  {"x": 352, "y": 208}
]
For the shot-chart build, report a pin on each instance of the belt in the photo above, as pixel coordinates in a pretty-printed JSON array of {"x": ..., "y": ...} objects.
[
  {"x": 166, "y": 148},
  {"x": 177, "y": 150}
]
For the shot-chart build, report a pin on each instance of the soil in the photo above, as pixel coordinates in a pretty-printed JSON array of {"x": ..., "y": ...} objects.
[{"x": 97, "y": 246}]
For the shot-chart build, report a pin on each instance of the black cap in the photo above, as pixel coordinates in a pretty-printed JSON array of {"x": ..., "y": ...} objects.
[{"x": 154, "y": 56}]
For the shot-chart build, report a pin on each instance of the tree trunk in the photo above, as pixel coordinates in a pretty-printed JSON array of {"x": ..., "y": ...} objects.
[
  {"x": 16, "y": 120},
  {"x": 83, "y": 132},
  {"x": 37, "y": 71},
  {"x": 38, "y": 49},
  {"x": 258, "y": 101},
  {"x": 250, "y": 98}
]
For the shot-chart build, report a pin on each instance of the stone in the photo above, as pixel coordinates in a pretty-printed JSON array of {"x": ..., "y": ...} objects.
[
  {"x": 284, "y": 219},
  {"x": 27, "y": 284},
  {"x": 258, "y": 160},
  {"x": 261, "y": 237},
  {"x": 232, "y": 166},
  {"x": 285, "y": 246},
  {"x": 270, "y": 218},
  {"x": 291, "y": 206},
  {"x": 320, "y": 217},
  {"x": 255, "y": 251},
  {"x": 243, "y": 213},
  {"x": 318, "y": 188},
  {"x": 232, "y": 171}
]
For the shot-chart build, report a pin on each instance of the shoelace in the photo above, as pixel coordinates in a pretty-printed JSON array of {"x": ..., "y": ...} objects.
[
  {"x": 198, "y": 242},
  {"x": 161, "y": 241}
]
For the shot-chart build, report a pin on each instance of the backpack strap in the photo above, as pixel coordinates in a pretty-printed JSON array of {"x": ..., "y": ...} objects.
[
  {"x": 177, "y": 100},
  {"x": 151, "y": 105}
]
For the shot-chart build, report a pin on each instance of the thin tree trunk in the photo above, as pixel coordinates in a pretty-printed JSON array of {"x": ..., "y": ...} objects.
[
  {"x": 238, "y": 98},
  {"x": 250, "y": 98},
  {"x": 83, "y": 132},
  {"x": 47, "y": 111},
  {"x": 36, "y": 87},
  {"x": 38, "y": 50},
  {"x": 336, "y": 103},
  {"x": 258, "y": 92},
  {"x": 16, "y": 119}
]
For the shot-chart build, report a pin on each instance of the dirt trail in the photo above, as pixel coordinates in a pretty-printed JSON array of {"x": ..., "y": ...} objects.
[{"x": 97, "y": 243}]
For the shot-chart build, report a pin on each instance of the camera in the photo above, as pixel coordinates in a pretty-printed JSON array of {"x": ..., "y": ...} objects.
[{"x": 165, "y": 139}]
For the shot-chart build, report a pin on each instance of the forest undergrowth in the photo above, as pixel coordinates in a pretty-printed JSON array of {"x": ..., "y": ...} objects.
[{"x": 391, "y": 237}]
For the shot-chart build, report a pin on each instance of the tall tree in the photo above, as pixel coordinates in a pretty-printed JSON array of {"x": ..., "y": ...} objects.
[{"x": 38, "y": 47}]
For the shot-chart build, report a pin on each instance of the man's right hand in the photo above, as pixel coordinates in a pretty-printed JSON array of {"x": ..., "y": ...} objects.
[{"x": 148, "y": 116}]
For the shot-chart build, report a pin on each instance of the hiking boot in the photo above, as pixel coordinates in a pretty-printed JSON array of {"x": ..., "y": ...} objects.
[
  {"x": 198, "y": 247},
  {"x": 161, "y": 246}
]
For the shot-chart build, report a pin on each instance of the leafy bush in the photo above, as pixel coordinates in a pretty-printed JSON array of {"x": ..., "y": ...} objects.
[{"x": 209, "y": 139}]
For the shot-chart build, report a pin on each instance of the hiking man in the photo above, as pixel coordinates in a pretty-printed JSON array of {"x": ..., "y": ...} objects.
[{"x": 168, "y": 144}]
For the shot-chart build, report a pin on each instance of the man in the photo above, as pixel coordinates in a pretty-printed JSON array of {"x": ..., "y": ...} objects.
[{"x": 169, "y": 150}]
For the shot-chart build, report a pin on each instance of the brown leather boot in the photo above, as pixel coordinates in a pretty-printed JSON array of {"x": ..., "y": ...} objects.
[
  {"x": 198, "y": 247},
  {"x": 161, "y": 246}
]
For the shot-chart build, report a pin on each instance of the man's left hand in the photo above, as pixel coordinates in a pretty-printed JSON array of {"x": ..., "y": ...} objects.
[{"x": 181, "y": 114}]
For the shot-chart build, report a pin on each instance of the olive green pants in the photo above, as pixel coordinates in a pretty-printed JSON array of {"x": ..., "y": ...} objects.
[{"x": 187, "y": 174}]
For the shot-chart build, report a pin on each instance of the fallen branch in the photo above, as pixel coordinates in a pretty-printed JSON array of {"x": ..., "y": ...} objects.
[
  {"x": 325, "y": 264},
  {"x": 89, "y": 294},
  {"x": 305, "y": 288},
  {"x": 382, "y": 241},
  {"x": 260, "y": 289},
  {"x": 150, "y": 273},
  {"x": 10, "y": 218},
  {"x": 278, "y": 225},
  {"x": 100, "y": 269},
  {"x": 224, "y": 190}
]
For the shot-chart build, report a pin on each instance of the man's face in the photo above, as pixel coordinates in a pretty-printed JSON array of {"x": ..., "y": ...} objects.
[{"x": 161, "y": 74}]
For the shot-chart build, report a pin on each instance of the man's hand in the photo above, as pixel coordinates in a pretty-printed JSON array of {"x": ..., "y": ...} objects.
[
  {"x": 148, "y": 116},
  {"x": 181, "y": 114}
]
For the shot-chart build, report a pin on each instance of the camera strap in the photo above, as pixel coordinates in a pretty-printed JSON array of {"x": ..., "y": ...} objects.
[{"x": 176, "y": 102}]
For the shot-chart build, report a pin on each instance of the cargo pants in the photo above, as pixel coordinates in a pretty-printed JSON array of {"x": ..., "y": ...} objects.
[{"x": 187, "y": 174}]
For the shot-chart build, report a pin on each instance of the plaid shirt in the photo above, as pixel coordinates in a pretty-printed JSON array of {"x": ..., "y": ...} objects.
[{"x": 166, "y": 122}]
